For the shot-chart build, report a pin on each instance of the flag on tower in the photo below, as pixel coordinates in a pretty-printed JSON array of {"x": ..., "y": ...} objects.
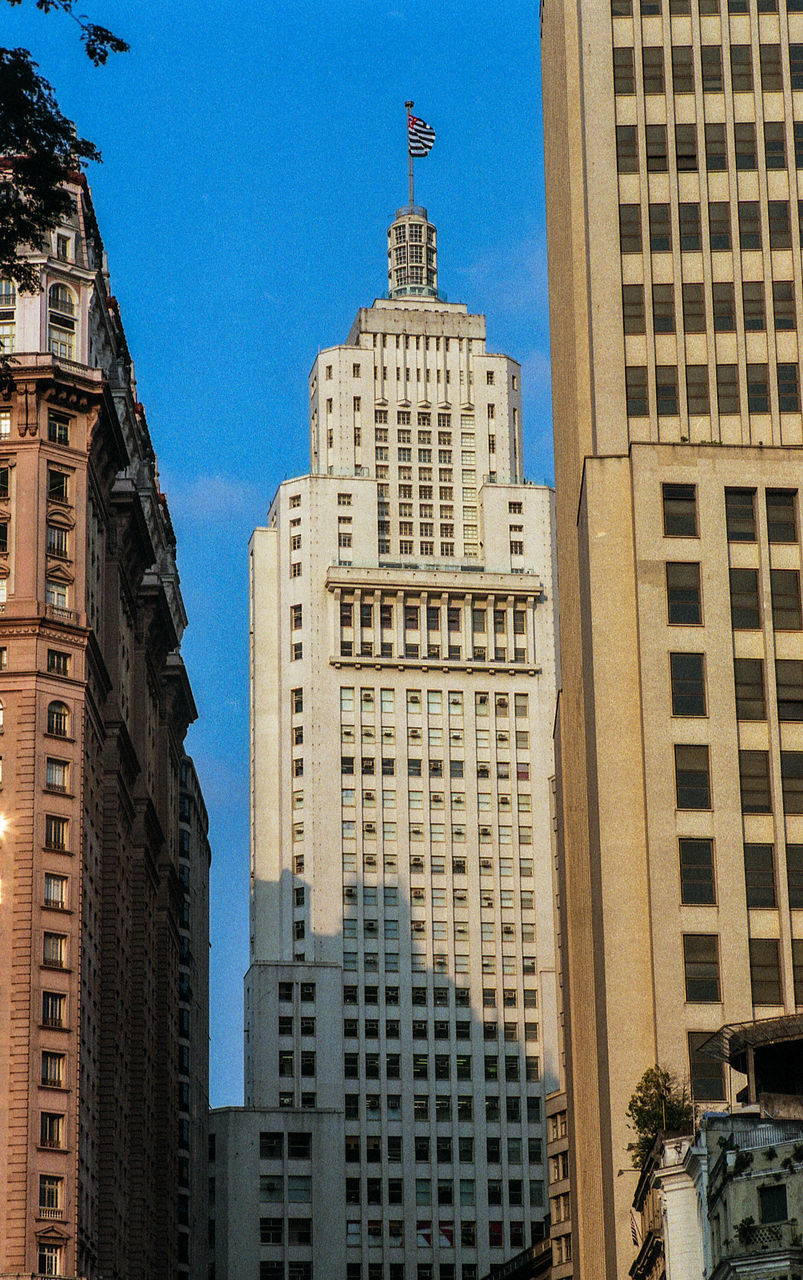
[{"x": 420, "y": 136}]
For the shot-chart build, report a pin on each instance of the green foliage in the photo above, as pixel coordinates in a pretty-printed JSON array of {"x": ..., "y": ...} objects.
[
  {"x": 744, "y": 1229},
  {"x": 770, "y": 1153},
  {"x": 660, "y": 1104},
  {"x": 98, "y": 41},
  {"x": 743, "y": 1161},
  {"x": 40, "y": 151},
  {"x": 39, "y": 148}
]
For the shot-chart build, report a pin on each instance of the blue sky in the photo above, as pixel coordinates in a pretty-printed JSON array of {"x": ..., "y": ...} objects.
[{"x": 254, "y": 155}]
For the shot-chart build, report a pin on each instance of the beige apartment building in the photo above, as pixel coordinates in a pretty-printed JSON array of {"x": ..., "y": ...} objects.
[
  {"x": 100, "y": 1132},
  {"x": 400, "y": 1005},
  {"x": 674, "y": 145}
]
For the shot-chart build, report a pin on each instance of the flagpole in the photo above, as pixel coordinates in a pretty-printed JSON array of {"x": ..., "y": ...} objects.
[{"x": 408, "y": 106}]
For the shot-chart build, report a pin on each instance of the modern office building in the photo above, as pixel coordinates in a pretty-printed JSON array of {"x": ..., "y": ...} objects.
[
  {"x": 94, "y": 707},
  {"x": 400, "y": 1003},
  {"x": 674, "y": 146}
]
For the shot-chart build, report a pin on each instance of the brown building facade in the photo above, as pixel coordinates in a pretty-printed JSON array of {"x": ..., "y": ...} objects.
[
  {"x": 673, "y": 163},
  {"x": 94, "y": 706}
]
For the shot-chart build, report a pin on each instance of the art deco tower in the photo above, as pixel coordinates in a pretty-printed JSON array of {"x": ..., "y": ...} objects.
[
  {"x": 674, "y": 146},
  {"x": 103, "y": 1049},
  {"x": 400, "y": 1001}
]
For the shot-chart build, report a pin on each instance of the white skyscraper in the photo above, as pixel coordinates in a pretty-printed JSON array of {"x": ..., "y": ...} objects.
[{"x": 400, "y": 1005}]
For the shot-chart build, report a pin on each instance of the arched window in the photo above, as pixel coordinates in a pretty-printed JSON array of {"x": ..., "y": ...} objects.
[
  {"x": 61, "y": 312},
  {"x": 58, "y": 719},
  {"x": 8, "y": 324}
]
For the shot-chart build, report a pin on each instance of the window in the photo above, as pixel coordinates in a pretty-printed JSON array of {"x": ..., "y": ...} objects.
[
  {"x": 692, "y": 777},
  {"x": 697, "y": 871},
  {"x": 774, "y": 144},
  {"x": 49, "y": 1259},
  {"x": 701, "y": 967},
  {"x": 680, "y": 510},
  {"x": 58, "y": 488},
  {"x": 792, "y": 781},
  {"x": 758, "y": 399},
  {"x": 788, "y": 388},
  {"x": 61, "y": 322},
  {"x": 53, "y": 1006},
  {"x": 58, "y": 663},
  {"x": 655, "y": 135},
  {"x": 749, "y": 225},
  {"x": 724, "y": 312},
  {"x": 52, "y": 1069},
  {"x": 754, "y": 782},
  {"x": 682, "y": 69},
  {"x": 697, "y": 389},
  {"x": 57, "y": 774},
  {"x": 683, "y": 593},
  {"x": 55, "y": 891},
  {"x": 740, "y": 516},
  {"x": 749, "y": 682},
  {"x": 663, "y": 308},
  {"x": 630, "y": 228},
  {"x": 51, "y": 1130},
  {"x": 705, "y": 1073},
  {"x": 783, "y": 304},
  {"x": 759, "y": 875},
  {"x": 660, "y": 229},
  {"x": 693, "y": 308},
  {"x": 624, "y": 78},
  {"x": 688, "y": 684},
  {"x": 711, "y": 62},
  {"x": 55, "y": 833},
  {"x": 633, "y": 308},
  {"x": 56, "y": 594},
  {"x": 50, "y": 1191},
  {"x": 58, "y": 428},
  {"x": 765, "y": 974},
  {"x": 636, "y": 391},
  {"x": 626, "y": 149},
  {"x": 794, "y": 873},
  {"x": 785, "y": 591},
  {"x": 745, "y": 143},
  {"x": 686, "y": 147},
  {"x": 719, "y": 225},
  {"x": 789, "y": 683},
  {"x": 781, "y": 523},
  {"x": 716, "y": 155},
  {"x": 772, "y": 1202},
  {"x": 741, "y": 68},
  {"x": 753, "y": 305},
  {"x": 690, "y": 227},
  {"x": 745, "y": 607}
]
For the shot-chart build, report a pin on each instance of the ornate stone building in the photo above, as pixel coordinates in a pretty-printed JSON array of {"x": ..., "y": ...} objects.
[{"x": 94, "y": 706}]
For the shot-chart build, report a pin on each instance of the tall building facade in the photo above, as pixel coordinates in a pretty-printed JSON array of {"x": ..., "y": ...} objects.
[
  {"x": 673, "y": 155},
  {"x": 94, "y": 706},
  {"x": 400, "y": 1001}
]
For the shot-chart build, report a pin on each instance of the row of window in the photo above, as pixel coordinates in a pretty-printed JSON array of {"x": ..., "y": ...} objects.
[
  {"x": 441, "y": 1150},
  {"x": 692, "y": 313},
  {"x": 680, "y": 520},
  {"x": 748, "y": 224},
  {"x": 702, "y": 978},
  {"x": 693, "y": 780},
  {"x": 295, "y": 1270},
  {"x": 684, "y": 599},
  {"x": 698, "y": 873},
  {"x": 440, "y": 963},
  {"x": 481, "y": 617},
  {"x": 653, "y": 8},
  {"x": 769, "y": 72},
  {"x": 444, "y": 1065},
  {"x": 744, "y": 154},
  {"x": 687, "y": 682},
  {"x": 443, "y": 1109},
  {"x": 435, "y": 767},
  {"x": 437, "y": 864},
  {"x": 437, "y": 897},
  {"x": 437, "y": 800},
  {"x": 440, "y": 1029}
]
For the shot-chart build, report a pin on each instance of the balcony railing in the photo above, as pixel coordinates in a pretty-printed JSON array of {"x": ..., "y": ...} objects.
[
  {"x": 766, "y": 1237},
  {"x": 60, "y": 614},
  {"x": 53, "y": 1214}
]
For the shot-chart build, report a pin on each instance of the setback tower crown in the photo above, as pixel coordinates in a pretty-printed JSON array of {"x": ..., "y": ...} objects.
[{"x": 412, "y": 254}]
